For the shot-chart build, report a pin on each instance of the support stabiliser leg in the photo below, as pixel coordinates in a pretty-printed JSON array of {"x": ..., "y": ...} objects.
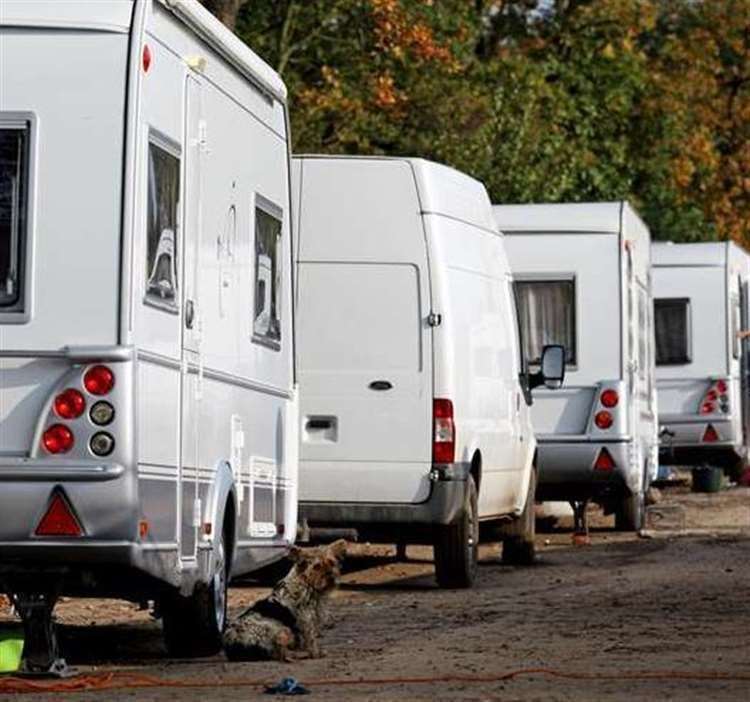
[
  {"x": 580, "y": 522},
  {"x": 41, "y": 654}
]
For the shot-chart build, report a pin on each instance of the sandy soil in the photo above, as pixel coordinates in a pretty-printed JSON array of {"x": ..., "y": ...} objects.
[{"x": 623, "y": 605}]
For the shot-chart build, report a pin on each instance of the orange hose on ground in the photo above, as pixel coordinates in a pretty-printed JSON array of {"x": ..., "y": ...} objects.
[{"x": 125, "y": 680}]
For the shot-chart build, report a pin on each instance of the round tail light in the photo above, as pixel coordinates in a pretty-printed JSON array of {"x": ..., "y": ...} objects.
[
  {"x": 603, "y": 419},
  {"x": 708, "y": 408},
  {"x": 99, "y": 380},
  {"x": 609, "y": 398},
  {"x": 102, "y": 443},
  {"x": 70, "y": 404},
  {"x": 58, "y": 439},
  {"x": 721, "y": 386}
]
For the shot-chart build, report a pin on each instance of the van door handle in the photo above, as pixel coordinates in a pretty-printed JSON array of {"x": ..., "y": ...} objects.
[
  {"x": 380, "y": 385},
  {"x": 189, "y": 313}
]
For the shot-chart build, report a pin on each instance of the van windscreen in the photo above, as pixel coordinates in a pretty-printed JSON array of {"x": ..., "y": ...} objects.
[
  {"x": 672, "y": 329},
  {"x": 13, "y": 197}
]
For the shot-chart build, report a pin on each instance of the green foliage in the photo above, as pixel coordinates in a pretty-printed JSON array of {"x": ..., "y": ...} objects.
[{"x": 567, "y": 100}]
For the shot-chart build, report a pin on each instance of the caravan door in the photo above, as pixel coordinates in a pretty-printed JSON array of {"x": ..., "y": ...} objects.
[{"x": 192, "y": 367}]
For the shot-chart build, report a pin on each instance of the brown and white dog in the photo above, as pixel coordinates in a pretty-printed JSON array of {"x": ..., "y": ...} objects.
[{"x": 291, "y": 617}]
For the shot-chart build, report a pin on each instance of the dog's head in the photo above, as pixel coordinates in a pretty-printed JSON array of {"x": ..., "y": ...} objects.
[{"x": 320, "y": 568}]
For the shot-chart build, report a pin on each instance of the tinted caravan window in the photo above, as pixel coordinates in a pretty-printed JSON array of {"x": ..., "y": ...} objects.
[
  {"x": 672, "y": 327},
  {"x": 546, "y": 312},
  {"x": 14, "y": 141},
  {"x": 267, "y": 313},
  {"x": 163, "y": 206}
]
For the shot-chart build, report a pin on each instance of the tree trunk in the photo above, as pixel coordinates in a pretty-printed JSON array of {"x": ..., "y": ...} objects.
[{"x": 225, "y": 10}]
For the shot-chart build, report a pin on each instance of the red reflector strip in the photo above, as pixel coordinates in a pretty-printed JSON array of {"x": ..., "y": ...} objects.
[
  {"x": 59, "y": 519},
  {"x": 604, "y": 461},
  {"x": 710, "y": 435}
]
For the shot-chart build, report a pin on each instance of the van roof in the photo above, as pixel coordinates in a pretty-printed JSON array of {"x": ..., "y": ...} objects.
[
  {"x": 589, "y": 217},
  {"x": 442, "y": 190},
  {"x": 231, "y": 47},
  {"x": 704, "y": 253}
]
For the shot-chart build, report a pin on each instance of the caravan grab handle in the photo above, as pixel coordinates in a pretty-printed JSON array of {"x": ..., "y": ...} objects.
[{"x": 380, "y": 385}]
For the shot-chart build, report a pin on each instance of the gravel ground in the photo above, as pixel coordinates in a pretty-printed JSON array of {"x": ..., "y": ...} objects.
[{"x": 623, "y": 605}]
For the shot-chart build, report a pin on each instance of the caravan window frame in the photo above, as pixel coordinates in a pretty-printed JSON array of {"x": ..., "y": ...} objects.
[
  {"x": 172, "y": 148},
  {"x": 571, "y": 359},
  {"x": 687, "y": 357},
  {"x": 18, "y": 310},
  {"x": 270, "y": 209}
]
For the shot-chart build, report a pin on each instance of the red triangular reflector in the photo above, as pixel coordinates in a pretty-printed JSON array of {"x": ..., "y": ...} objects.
[
  {"x": 59, "y": 519},
  {"x": 710, "y": 435},
  {"x": 604, "y": 461}
]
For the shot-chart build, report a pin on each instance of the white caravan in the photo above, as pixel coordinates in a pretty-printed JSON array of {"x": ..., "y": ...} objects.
[
  {"x": 148, "y": 412},
  {"x": 701, "y": 303},
  {"x": 415, "y": 423},
  {"x": 583, "y": 280}
]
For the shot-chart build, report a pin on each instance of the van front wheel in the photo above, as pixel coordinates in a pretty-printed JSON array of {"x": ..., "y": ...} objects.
[{"x": 456, "y": 545}]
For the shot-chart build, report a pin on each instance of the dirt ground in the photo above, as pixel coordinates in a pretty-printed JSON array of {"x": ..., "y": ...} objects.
[{"x": 625, "y": 607}]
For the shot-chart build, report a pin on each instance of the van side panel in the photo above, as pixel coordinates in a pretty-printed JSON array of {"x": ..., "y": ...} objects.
[{"x": 476, "y": 356}]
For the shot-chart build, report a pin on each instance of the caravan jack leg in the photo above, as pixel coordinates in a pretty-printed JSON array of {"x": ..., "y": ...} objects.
[
  {"x": 41, "y": 654},
  {"x": 580, "y": 522}
]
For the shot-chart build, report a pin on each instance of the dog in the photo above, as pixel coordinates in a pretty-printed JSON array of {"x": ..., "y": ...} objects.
[{"x": 291, "y": 617}]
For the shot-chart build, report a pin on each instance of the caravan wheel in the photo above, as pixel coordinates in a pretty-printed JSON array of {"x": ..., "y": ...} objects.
[
  {"x": 193, "y": 626},
  {"x": 456, "y": 545}
]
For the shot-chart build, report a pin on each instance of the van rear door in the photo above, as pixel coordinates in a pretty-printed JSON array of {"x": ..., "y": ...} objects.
[{"x": 365, "y": 348}]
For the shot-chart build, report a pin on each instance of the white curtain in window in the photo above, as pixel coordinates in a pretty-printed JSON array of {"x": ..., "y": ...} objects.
[{"x": 547, "y": 316}]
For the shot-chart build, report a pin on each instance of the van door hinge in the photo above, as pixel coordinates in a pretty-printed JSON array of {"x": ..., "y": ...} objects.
[{"x": 434, "y": 319}]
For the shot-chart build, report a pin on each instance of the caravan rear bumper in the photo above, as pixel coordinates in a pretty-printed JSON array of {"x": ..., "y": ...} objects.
[
  {"x": 681, "y": 441},
  {"x": 407, "y": 522},
  {"x": 567, "y": 472}
]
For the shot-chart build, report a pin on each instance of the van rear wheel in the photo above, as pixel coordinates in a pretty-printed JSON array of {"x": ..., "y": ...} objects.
[
  {"x": 456, "y": 546},
  {"x": 193, "y": 626},
  {"x": 518, "y": 546}
]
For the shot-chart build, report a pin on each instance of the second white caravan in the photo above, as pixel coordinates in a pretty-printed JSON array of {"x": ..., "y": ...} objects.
[
  {"x": 701, "y": 305},
  {"x": 415, "y": 423},
  {"x": 583, "y": 280}
]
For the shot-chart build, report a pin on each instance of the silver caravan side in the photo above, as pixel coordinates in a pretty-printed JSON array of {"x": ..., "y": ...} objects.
[
  {"x": 701, "y": 305},
  {"x": 582, "y": 276},
  {"x": 148, "y": 407}
]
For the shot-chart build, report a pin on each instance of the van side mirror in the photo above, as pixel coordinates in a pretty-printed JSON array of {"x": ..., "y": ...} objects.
[{"x": 552, "y": 372}]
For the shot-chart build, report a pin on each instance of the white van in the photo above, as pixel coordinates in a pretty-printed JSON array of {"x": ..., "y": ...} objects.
[
  {"x": 583, "y": 280},
  {"x": 701, "y": 303},
  {"x": 415, "y": 423},
  {"x": 148, "y": 413}
]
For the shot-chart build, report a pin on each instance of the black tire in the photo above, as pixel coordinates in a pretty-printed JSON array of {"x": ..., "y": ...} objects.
[
  {"x": 630, "y": 512},
  {"x": 518, "y": 545},
  {"x": 193, "y": 626},
  {"x": 456, "y": 546}
]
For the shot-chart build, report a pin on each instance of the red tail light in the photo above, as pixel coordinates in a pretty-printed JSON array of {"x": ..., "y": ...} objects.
[
  {"x": 715, "y": 399},
  {"x": 609, "y": 398},
  {"x": 59, "y": 519},
  {"x": 710, "y": 435},
  {"x": 604, "y": 419},
  {"x": 604, "y": 461},
  {"x": 58, "y": 439},
  {"x": 70, "y": 404},
  {"x": 444, "y": 432},
  {"x": 99, "y": 380}
]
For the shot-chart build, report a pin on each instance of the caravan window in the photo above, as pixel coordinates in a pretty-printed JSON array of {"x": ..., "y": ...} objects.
[
  {"x": 267, "y": 313},
  {"x": 672, "y": 328},
  {"x": 14, "y": 142},
  {"x": 546, "y": 311},
  {"x": 163, "y": 225},
  {"x": 736, "y": 346}
]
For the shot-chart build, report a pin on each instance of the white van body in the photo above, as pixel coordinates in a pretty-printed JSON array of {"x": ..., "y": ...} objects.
[
  {"x": 582, "y": 274},
  {"x": 701, "y": 303},
  {"x": 404, "y": 297},
  {"x": 146, "y": 159}
]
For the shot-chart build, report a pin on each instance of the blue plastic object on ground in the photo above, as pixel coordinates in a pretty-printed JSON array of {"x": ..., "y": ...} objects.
[{"x": 287, "y": 686}]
